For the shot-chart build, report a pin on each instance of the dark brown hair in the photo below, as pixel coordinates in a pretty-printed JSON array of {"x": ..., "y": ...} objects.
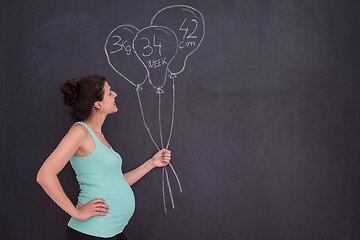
[{"x": 80, "y": 94}]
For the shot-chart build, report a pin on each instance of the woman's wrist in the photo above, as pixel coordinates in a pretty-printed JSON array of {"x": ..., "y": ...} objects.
[
  {"x": 149, "y": 165},
  {"x": 76, "y": 215}
]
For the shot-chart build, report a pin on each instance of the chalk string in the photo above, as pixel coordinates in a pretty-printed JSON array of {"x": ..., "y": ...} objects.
[{"x": 164, "y": 170}]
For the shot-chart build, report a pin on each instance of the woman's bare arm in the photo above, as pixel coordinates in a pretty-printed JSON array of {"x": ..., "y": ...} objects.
[
  {"x": 47, "y": 175},
  {"x": 160, "y": 159},
  {"x": 134, "y": 175}
]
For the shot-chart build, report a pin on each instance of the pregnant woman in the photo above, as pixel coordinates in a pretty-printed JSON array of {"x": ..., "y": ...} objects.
[{"x": 105, "y": 202}]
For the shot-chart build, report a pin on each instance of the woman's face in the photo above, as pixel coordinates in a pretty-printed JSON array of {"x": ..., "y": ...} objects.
[{"x": 108, "y": 103}]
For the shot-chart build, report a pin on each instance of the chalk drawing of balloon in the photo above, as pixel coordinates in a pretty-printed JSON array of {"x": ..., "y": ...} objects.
[
  {"x": 189, "y": 26},
  {"x": 121, "y": 57},
  {"x": 156, "y": 46}
]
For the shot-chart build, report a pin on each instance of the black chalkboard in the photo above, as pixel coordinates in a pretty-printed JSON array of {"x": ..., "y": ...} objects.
[{"x": 265, "y": 129}]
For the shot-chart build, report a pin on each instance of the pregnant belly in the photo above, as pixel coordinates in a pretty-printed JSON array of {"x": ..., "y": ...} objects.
[
  {"x": 121, "y": 203},
  {"x": 116, "y": 200},
  {"x": 118, "y": 196}
]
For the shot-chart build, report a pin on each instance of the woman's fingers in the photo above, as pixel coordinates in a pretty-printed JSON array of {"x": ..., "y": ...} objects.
[
  {"x": 166, "y": 161},
  {"x": 103, "y": 208},
  {"x": 102, "y": 205},
  {"x": 100, "y": 213},
  {"x": 98, "y": 200},
  {"x": 92, "y": 208}
]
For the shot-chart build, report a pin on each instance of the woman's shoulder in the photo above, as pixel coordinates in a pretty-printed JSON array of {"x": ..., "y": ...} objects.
[{"x": 78, "y": 129}]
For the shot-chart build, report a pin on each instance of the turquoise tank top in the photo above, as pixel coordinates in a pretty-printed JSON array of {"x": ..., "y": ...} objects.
[{"x": 100, "y": 176}]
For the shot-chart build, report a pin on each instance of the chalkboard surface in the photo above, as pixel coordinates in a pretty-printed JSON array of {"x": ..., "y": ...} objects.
[{"x": 264, "y": 129}]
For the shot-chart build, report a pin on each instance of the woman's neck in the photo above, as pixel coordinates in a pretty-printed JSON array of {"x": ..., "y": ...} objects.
[{"x": 95, "y": 122}]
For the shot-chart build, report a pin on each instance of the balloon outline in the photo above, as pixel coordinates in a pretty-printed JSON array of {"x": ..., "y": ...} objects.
[
  {"x": 167, "y": 66},
  {"x": 108, "y": 57},
  {"x": 203, "y": 21},
  {"x": 159, "y": 91}
]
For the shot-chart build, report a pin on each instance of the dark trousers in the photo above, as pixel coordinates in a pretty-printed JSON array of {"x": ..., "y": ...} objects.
[{"x": 73, "y": 234}]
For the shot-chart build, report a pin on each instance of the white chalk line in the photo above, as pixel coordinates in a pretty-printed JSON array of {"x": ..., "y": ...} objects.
[
  {"x": 163, "y": 189},
  {"x": 161, "y": 138},
  {"x": 108, "y": 56},
  {"x": 162, "y": 28},
  {"x": 171, "y": 129},
  {"x": 160, "y": 91},
  {"x": 187, "y": 8},
  {"x": 169, "y": 187},
  {"x": 142, "y": 114}
]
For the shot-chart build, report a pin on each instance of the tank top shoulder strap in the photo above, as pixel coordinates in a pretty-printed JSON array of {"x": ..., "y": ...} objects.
[{"x": 89, "y": 129}]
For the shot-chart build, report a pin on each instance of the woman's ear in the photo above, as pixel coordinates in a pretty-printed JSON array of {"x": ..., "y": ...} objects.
[{"x": 97, "y": 105}]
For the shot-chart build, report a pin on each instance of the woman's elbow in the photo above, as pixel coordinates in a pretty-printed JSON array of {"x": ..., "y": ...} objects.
[
  {"x": 41, "y": 176},
  {"x": 38, "y": 177}
]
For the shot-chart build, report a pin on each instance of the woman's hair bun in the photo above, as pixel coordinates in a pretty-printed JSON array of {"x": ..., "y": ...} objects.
[{"x": 70, "y": 89}]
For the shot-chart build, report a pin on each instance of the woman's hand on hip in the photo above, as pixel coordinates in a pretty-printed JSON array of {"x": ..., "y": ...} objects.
[
  {"x": 92, "y": 208},
  {"x": 161, "y": 158}
]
